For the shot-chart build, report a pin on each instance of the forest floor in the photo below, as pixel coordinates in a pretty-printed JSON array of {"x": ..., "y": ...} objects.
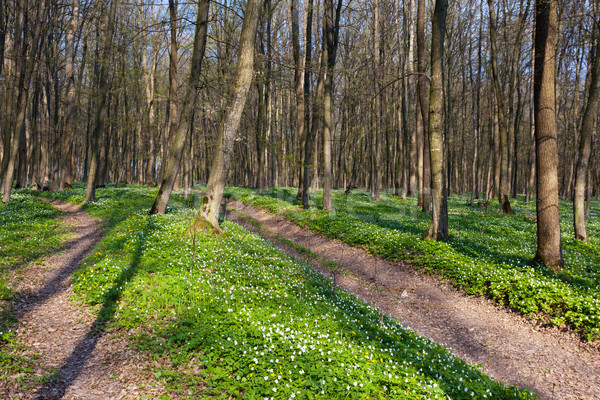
[
  {"x": 76, "y": 356},
  {"x": 79, "y": 357},
  {"x": 513, "y": 349}
]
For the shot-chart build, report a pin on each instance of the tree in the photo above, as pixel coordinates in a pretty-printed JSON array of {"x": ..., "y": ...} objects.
[
  {"x": 67, "y": 144},
  {"x": 100, "y": 119},
  {"x": 208, "y": 214},
  {"x": 330, "y": 36},
  {"x": 438, "y": 228},
  {"x": 585, "y": 143},
  {"x": 186, "y": 116},
  {"x": 549, "y": 250},
  {"x": 504, "y": 176},
  {"x": 26, "y": 61},
  {"x": 298, "y": 88},
  {"x": 422, "y": 113}
]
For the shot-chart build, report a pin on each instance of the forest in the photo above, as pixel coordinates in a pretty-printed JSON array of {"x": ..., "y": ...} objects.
[{"x": 299, "y": 199}]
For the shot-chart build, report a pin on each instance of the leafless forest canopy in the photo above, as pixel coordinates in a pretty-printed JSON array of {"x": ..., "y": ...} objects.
[{"x": 57, "y": 75}]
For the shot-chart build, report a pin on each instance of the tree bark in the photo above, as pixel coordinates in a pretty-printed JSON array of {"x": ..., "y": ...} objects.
[
  {"x": 503, "y": 195},
  {"x": 27, "y": 66},
  {"x": 317, "y": 119},
  {"x": 438, "y": 228},
  {"x": 476, "y": 89},
  {"x": 423, "y": 108},
  {"x": 66, "y": 177},
  {"x": 101, "y": 108},
  {"x": 189, "y": 103},
  {"x": 330, "y": 36},
  {"x": 298, "y": 90},
  {"x": 307, "y": 152},
  {"x": 549, "y": 250},
  {"x": 207, "y": 217},
  {"x": 585, "y": 144}
]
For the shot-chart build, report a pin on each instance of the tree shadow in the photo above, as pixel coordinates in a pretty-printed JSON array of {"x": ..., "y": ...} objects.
[{"x": 71, "y": 369}]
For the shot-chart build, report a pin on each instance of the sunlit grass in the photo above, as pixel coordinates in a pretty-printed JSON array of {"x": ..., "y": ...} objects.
[
  {"x": 488, "y": 253},
  {"x": 233, "y": 316}
]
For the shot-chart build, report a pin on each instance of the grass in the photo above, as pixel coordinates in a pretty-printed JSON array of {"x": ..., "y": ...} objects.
[
  {"x": 234, "y": 317},
  {"x": 487, "y": 254}
]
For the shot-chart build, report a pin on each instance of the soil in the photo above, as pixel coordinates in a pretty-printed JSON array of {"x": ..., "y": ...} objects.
[
  {"x": 554, "y": 364},
  {"x": 82, "y": 360}
]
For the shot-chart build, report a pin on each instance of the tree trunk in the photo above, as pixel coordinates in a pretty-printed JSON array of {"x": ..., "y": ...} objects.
[
  {"x": 311, "y": 137},
  {"x": 438, "y": 228},
  {"x": 503, "y": 195},
  {"x": 307, "y": 137},
  {"x": 476, "y": 88},
  {"x": 585, "y": 144},
  {"x": 330, "y": 36},
  {"x": 531, "y": 176},
  {"x": 189, "y": 103},
  {"x": 93, "y": 172},
  {"x": 549, "y": 250},
  {"x": 207, "y": 217},
  {"x": 173, "y": 112},
  {"x": 27, "y": 66},
  {"x": 298, "y": 81},
  {"x": 67, "y": 145},
  {"x": 423, "y": 108}
]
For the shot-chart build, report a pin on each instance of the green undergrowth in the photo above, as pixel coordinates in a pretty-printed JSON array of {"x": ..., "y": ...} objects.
[
  {"x": 488, "y": 253},
  {"x": 232, "y": 316},
  {"x": 29, "y": 229}
]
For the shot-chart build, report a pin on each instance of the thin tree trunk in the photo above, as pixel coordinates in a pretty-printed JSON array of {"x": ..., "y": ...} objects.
[
  {"x": 93, "y": 172},
  {"x": 302, "y": 192},
  {"x": 476, "y": 116},
  {"x": 532, "y": 151},
  {"x": 503, "y": 195},
  {"x": 311, "y": 137},
  {"x": 585, "y": 144},
  {"x": 67, "y": 144},
  {"x": 330, "y": 37},
  {"x": 425, "y": 193},
  {"x": 298, "y": 81},
  {"x": 26, "y": 72}
]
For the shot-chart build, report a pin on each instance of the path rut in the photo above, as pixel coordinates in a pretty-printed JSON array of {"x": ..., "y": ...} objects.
[{"x": 88, "y": 362}]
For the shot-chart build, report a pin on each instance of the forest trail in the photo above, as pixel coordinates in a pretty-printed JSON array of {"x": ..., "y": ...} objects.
[
  {"x": 85, "y": 361},
  {"x": 512, "y": 349}
]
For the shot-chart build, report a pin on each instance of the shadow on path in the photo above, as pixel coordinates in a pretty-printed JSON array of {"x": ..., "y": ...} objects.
[
  {"x": 75, "y": 363},
  {"x": 60, "y": 281},
  {"x": 72, "y": 367}
]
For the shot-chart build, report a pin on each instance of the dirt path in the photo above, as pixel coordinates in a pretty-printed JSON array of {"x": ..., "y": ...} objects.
[
  {"x": 512, "y": 349},
  {"x": 86, "y": 362}
]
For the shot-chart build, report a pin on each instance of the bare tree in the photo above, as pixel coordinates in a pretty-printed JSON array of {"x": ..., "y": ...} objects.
[
  {"x": 438, "y": 228},
  {"x": 100, "y": 119},
  {"x": 549, "y": 250},
  {"x": 67, "y": 144},
  {"x": 26, "y": 66},
  {"x": 585, "y": 143},
  {"x": 207, "y": 217},
  {"x": 423, "y": 112},
  {"x": 186, "y": 116},
  {"x": 503, "y": 195}
]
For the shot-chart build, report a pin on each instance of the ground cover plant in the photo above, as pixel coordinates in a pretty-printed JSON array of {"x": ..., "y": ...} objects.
[
  {"x": 29, "y": 229},
  {"x": 236, "y": 317},
  {"x": 488, "y": 253}
]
